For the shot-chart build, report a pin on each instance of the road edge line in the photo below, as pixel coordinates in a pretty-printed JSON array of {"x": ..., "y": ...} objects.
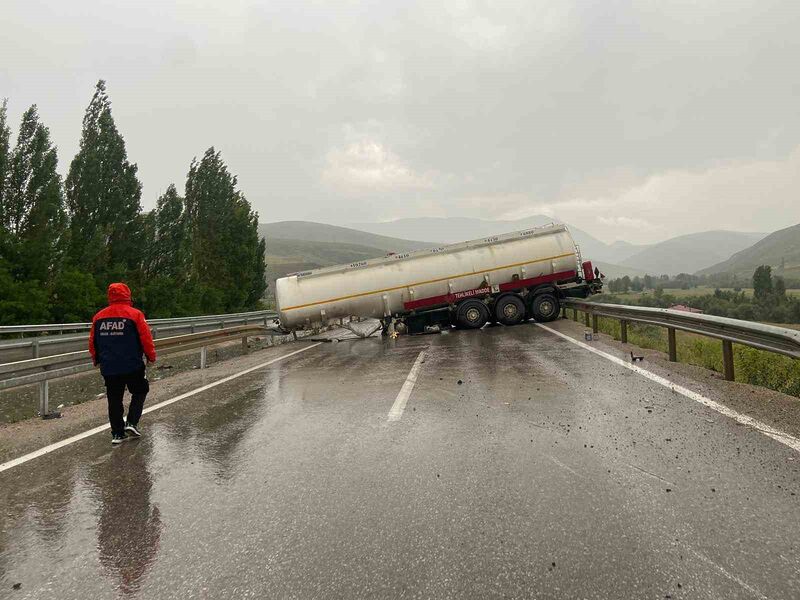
[
  {"x": 776, "y": 434},
  {"x": 90, "y": 432},
  {"x": 396, "y": 412}
]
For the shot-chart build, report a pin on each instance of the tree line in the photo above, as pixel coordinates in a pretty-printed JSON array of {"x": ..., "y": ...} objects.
[
  {"x": 769, "y": 301},
  {"x": 63, "y": 241},
  {"x": 687, "y": 281}
]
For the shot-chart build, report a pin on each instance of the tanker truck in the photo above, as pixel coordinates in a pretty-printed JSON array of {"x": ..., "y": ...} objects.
[{"x": 502, "y": 279}]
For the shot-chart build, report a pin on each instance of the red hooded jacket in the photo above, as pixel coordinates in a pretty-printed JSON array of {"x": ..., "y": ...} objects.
[{"x": 120, "y": 335}]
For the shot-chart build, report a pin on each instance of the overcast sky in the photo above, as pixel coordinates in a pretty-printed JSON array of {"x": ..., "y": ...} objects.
[{"x": 631, "y": 120}]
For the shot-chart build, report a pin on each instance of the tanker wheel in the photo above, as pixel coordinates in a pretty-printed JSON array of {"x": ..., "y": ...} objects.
[
  {"x": 509, "y": 310},
  {"x": 545, "y": 307},
  {"x": 471, "y": 314}
]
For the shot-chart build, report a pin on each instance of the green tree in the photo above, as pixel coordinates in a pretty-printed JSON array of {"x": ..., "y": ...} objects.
[
  {"x": 34, "y": 202},
  {"x": 762, "y": 282},
  {"x": 74, "y": 297},
  {"x": 648, "y": 282},
  {"x": 104, "y": 197},
  {"x": 5, "y": 160},
  {"x": 21, "y": 302},
  {"x": 169, "y": 252},
  {"x": 779, "y": 289},
  {"x": 227, "y": 257}
]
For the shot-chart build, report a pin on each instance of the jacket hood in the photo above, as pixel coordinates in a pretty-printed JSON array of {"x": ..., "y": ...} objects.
[{"x": 119, "y": 292}]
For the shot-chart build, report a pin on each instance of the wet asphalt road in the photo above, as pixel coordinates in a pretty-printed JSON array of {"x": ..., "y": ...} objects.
[{"x": 548, "y": 473}]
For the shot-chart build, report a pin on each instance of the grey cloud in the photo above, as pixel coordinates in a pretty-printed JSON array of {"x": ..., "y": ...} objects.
[{"x": 357, "y": 111}]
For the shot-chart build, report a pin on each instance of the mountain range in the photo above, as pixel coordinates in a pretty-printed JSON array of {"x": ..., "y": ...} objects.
[
  {"x": 301, "y": 245},
  {"x": 691, "y": 253},
  {"x": 780, "y": 250},
  {"x": 682, "y": 254}
]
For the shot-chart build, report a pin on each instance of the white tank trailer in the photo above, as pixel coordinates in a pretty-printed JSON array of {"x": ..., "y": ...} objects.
[{"x": 505, "y": 278}]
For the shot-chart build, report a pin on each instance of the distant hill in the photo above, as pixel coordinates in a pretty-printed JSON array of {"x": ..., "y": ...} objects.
[
  {"x": 612, "y": 271},
  {"x": 690, "y": 253},
  {"x": 780, "y": 247},
  {"x": 320, "y": 232},
  {"x": 620, "y": 250},
  {"x": 290, "y": 256}
]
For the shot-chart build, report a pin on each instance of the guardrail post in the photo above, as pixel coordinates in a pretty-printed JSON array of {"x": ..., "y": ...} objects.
[
  {"x": 154, "y": 332},
  {"x": 222, "y": 324},
  {"x": 203, "y": 357},
  {"x": 35, "y": 348},
  {"x": 727, "y": 359},
  {"x": 192, "y": 328},
  {"x": 623, "y": 331},
  {"x": 574, "y": 314},
  {"x": 245, "y": 347},
  {"x": 44, "y": 398},
  {"x": 563, "y": 312},
  {"x": 594, "y": 324},
  {"x": 673, "y": 346},
  {"x": 587, "y": 319}
]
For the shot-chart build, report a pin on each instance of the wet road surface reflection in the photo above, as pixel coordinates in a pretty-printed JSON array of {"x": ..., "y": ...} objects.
[{"x": 520, "y": 467}]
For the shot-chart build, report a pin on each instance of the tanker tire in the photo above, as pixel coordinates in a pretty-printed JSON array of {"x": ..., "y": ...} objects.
[
  {"x": 471, "y": 314},
  {"x": 545, "y": 308},
  {"x": 509, "y": 310}
]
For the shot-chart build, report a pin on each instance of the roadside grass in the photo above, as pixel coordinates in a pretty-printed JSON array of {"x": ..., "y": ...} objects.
[{"x": 756, "y": 367}]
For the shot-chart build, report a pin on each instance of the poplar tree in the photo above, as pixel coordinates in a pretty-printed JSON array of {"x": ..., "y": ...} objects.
[
  {"x": 33, "y": 202},
  {"x": 5, "y": 136},
  {"x": 5, "y": 159},
  {"x": 104, "y": 197},
  {"x": 227, "y": 257},
  {"x": 170, "y": 256}
]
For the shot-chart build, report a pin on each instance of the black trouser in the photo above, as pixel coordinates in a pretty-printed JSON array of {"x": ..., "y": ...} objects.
[{"x": 138, "y": 386}]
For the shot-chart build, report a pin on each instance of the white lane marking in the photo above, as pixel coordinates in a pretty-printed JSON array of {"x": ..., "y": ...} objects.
[
  {"x": 649, "y": 474},
  {"x": 402, "y": 397},
  {"x": 776, "y": 434},
  {"x": 76, "y": 438},
  {"x": 730, "y": 576},
  {"x": 562, "y": 465}
]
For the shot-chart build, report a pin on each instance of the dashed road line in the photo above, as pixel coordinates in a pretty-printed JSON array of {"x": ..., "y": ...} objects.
[
  {"x": 76, "y": 438},
  {"x": 563, "y": 466},
  {"x": 776, "y": 434},
  {"x": 725, "y": 573},
  {"x": 399, "y": 405},
  {"x": 649, "y": 474}
]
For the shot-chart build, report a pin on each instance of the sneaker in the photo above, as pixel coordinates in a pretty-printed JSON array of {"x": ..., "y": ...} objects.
[
  {"x": 118, "y": 439},
  {"x": 133, "y": 430}
]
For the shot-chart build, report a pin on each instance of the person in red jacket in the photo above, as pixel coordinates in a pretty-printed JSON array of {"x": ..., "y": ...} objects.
[{"x": 118, "y": 339}]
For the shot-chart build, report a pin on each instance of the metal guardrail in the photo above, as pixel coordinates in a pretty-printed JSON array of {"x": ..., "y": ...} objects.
[
  {"x": 154, "y": 323},
  {"x": 33, "y": 347},
  {"x": 779, "y": 340},
  {"x": 43, "y": 370}
]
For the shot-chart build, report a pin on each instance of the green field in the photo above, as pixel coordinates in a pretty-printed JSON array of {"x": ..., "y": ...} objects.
[{"x": 756, "y": 367}]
